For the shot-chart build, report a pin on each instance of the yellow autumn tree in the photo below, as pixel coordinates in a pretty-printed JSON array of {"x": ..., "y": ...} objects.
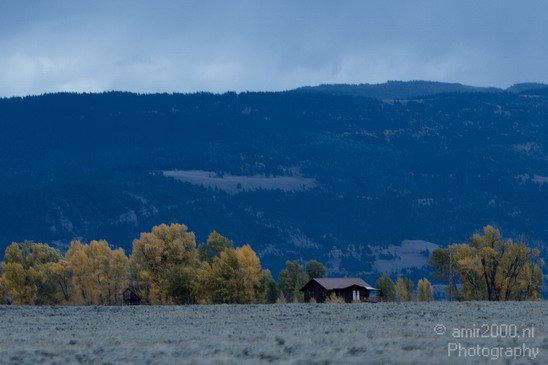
[
  {"x": 21, "y": 283},
  {"x": 401, "y": 290},
  {"x": 99, "y": 274},
  {"x": 25, "y": 273},
  {"x": 491, "y": 268},
  {"x": 231, "y": 276},
  {"x": 4, "y": 294},
  {"x": 164, "y": 264},
  {"x": 424, "y": 290},
  {"x": 57, "y": 275},
  {"x": 248, "y": 275},
  {"x": 202, "y": 286}
]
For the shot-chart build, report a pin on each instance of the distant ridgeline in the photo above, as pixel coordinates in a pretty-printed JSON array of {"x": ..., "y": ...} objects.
[{"x": 341, "y": 173}]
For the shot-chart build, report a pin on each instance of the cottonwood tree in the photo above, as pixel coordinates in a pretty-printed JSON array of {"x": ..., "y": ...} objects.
[
  {"x": 4, "y": 293},
  {"x": 401, "y": 290},
  {"x": 221, "y": 279},
  {"x": 405, "y": 291},
  {"x": 215, "y": 244},
  {"x": 58, "y": 275},
  {"x": 25, "y": 272},
  {"x": 270, "y": 288},
  {"x": 315, "y": 269},
  {"x": 424, "y": 290},
  {"x": 410, "y": 288},
  {"x": 292, "y": 278},
  {"x": 99, "y": 274},
  {"x": 234, "y": 276},
  {"x": 492, "y": 268},
  {"x": 249, "y": 275},
  {"x": 386, "y": 289},
  {"x": 160, "y": 255},
  {"x": 443, "y": 263}
]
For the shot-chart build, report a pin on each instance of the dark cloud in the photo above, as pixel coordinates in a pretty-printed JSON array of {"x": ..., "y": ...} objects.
[{"x": 150, "y": 46}]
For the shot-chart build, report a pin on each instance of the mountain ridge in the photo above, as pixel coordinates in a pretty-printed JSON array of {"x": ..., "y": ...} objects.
[
  {"x": 411, "y": 89},
  {"x": 436, "y": 169}
]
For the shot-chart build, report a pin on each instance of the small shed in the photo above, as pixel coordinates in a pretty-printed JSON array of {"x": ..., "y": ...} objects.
[
  {"x": 350, "y": 289},
  {"x": 130, "y": 297}
]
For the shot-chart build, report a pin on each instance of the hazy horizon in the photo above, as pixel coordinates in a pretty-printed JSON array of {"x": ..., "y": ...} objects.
[{"x": 252, "y": 91}]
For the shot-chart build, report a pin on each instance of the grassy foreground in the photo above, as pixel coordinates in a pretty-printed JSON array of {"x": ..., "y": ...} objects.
[{"x": 384, "y": 333}]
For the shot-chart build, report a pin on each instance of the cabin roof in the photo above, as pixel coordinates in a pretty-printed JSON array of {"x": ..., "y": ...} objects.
[
  {"x": 131, "y": 291},
  {"x": 339, "y": 283}
]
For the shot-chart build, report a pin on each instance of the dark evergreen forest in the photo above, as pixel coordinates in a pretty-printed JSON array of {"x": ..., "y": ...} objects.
[{"x": 433, "y": 168}]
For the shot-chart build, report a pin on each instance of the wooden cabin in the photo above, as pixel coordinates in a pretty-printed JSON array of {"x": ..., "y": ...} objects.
[
  {"x": 130, "y": 297},
  {"x": 351, "y": 289}
]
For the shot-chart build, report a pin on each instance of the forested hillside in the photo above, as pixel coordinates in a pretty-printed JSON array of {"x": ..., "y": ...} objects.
[{"x": 297, "y": 175}]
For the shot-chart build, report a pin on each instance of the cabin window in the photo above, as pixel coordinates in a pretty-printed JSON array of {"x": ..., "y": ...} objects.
[{"x": 355, "y": 295}]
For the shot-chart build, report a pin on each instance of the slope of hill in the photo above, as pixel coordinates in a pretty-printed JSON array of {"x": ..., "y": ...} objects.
[
  {"x": 396, "y": 89},
  {"x": 526, "y": 87},
  {"x": 363, "y": 174}
]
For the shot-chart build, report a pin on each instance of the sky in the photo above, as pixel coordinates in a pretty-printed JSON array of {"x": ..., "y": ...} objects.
[{"x": 262, "y": 45}]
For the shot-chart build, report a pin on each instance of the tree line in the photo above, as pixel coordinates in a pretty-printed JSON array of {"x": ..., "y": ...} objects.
[
  {"x": 166, "y": 266},
  {"x": 488, "y": 267},
  {"x": 403, "y": 290}
]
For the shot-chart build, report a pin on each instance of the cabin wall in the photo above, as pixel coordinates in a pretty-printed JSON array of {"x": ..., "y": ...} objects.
[
  {"x": 315, "y": 291},
  {"x": 348, "y": 293}
]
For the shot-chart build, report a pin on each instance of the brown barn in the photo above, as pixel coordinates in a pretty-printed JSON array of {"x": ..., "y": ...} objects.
[
  {"x": 351, "y": 289},
  {"x": 130, "y": 297}
]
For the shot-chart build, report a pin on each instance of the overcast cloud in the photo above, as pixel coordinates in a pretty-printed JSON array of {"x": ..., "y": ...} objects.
[{"x": 185, "y": 46}]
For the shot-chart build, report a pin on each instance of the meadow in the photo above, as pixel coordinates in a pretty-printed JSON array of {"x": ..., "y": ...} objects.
[{"x": 382, "y": 333}]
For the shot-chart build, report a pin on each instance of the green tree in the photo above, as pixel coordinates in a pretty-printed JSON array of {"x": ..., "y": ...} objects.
[
  {"x": 441, "y": 261},
  {"x": 386, "y": 290},
  {"x": 215, "y": 244},
  {"x": 292, "y": 278},
  {"x": 410, "y": 289},
  {"x": 315, "y": 269},
  {"x": 271, "y": 289},
  {"x": 180, "y": 284},
  {"x": 222, "y": 280}
]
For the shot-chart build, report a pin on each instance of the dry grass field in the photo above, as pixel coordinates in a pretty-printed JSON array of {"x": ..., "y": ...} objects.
[{"x": 414, "y": 333}]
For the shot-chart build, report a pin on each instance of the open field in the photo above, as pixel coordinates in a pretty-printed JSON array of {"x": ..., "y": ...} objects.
[
  {"x": 234, "y": 184},
  {"x": 289, "y": 334}
]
